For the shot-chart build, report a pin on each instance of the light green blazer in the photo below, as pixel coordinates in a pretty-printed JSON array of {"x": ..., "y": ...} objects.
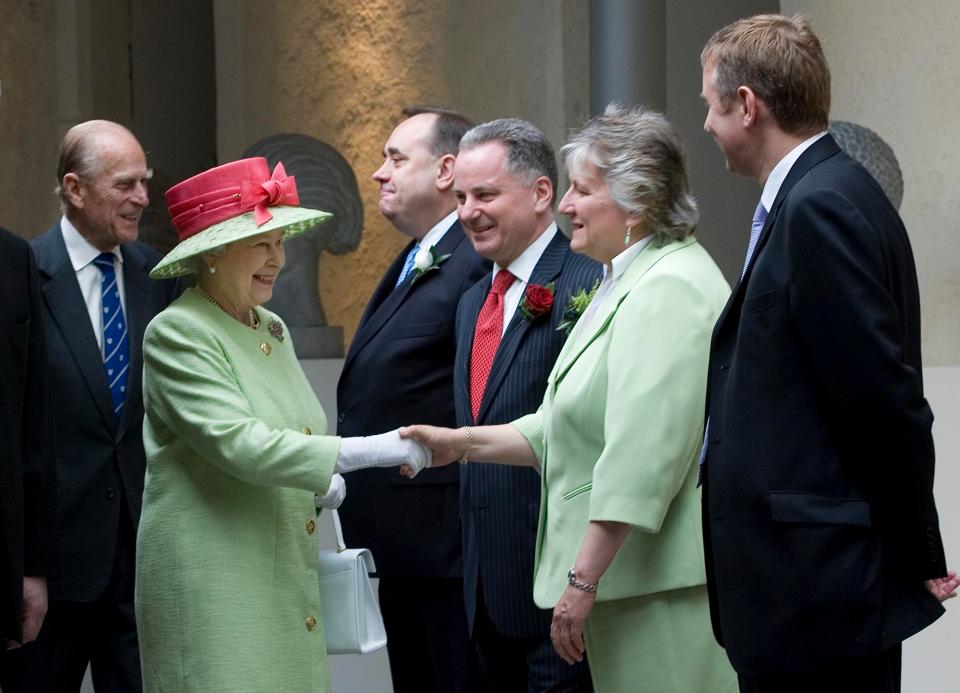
[
  {"x": 619, "y": 431},
  {"x": 226, "y": 586}
]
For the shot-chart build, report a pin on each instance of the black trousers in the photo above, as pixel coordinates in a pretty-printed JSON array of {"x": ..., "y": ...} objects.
[
  {"x": 427, "y": 640},
  {"x": 878, "y": 673},
  {"x": 523, "y": 665},
  {"x": 101, "y": 633}
]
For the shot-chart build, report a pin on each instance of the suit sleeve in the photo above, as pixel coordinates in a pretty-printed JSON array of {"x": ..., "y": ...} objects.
[
  {"x": 653, "y": 418},
  {"x": 844, "y": 288},
  {"x": 40, "y": 505},
  {"x": 190, "y": 388}
]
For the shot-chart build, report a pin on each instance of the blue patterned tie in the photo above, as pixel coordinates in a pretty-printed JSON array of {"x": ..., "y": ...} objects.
[
  {"x": 115, "y": 344},
  {"x": 407, "y": 264}
]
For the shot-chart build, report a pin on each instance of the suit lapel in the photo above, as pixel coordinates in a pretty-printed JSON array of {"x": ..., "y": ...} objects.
[
  {"x": 136, "y": 285},
  {"x": 575, "y": 346},
  {"x": 546, "y": 270},
  {"x": 822, "y": 149},
  {"x": 387, "y": 299},
  {"x": 61, "y": 292}
]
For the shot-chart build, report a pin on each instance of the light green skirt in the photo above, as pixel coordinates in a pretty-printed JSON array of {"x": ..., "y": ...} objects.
[{"x": 661, "y": 643}]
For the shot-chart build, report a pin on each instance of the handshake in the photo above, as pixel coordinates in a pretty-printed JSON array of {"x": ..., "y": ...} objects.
[{"x": 363, "y": 452}]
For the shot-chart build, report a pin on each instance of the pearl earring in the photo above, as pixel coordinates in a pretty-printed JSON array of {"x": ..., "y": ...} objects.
[{"x": 213, "y": 270}]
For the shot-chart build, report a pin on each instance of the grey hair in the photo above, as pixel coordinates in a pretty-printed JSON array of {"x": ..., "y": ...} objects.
[
  {"x": 529, "y": 153},
  {"x": 641, "y": 157},
  {"x": 79, "y": 153}
]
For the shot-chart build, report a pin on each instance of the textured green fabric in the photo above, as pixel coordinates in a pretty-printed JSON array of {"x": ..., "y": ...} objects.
[
  {"x": 619, "y": 431},
  {"x": 226, "y": 569}
]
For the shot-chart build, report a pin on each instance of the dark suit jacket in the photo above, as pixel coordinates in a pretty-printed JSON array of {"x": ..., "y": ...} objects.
[
  {"x": 819, "y": 518},
  {"x": 29, "y": 540},
  {"x": 100, "y": 461},
  {"x": 500, "y": 505},
  {"x": 399, "y": 371}
]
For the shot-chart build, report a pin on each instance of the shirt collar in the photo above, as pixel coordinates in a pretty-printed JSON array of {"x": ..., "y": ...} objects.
[
  {"x": 439, "y": 230},
  {"x": 626, "y": 257},
  {"x": 780, "y": 171},
  {"x": 79, "y": 249},
  {"x": 523, "y": 266}
]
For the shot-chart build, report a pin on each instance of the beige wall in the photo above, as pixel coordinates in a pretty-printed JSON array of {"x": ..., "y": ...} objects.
[
  {"x": 28, "y": 116},
  {"x": 341, "y": 71},
  {"x": 894, "y": 70}
]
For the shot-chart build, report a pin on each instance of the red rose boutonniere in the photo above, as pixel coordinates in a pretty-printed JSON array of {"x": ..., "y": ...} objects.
[{"x": 537, "y": 300}]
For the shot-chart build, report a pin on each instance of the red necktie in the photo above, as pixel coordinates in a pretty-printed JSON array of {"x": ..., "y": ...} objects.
[{"x": 486, "y": 338}]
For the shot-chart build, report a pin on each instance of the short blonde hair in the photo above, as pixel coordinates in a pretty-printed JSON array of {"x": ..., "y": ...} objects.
[{"x": 781, "y": 60}]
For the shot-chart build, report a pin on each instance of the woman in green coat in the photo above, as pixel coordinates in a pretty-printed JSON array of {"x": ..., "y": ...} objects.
[
  {"x": 227, "y": 596},
  {"x": 619, "y": 552}
]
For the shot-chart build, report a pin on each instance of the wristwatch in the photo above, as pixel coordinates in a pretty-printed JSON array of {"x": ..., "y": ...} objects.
[{"x": 580, "y": 584}]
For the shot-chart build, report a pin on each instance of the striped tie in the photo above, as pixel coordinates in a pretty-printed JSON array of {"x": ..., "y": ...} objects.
[
  {"x": 115, "y": 344},
  {"x": 407, "y": 264}
]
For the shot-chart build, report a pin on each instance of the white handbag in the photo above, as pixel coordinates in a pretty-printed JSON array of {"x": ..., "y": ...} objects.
[{"x": 351, "y": 613}]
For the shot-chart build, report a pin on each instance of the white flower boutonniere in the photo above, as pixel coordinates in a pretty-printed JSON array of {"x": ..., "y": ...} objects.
[{"x": 424, "y": 261}]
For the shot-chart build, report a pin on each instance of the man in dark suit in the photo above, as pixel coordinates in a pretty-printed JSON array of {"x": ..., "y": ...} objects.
[
  {"x": 819, "y": 521},
  {"x": 399, "y": 369},
  {"x": 97, "y": 301},
  {"x": 29, "y": 537},
  {"x": 508, "y": 336}
]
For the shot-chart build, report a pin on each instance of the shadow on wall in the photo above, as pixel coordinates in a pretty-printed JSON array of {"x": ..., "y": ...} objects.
[{"x": 325, "y": 181}]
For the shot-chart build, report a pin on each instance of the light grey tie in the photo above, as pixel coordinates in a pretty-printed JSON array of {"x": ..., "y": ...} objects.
[{"x": 756, "y": 226}]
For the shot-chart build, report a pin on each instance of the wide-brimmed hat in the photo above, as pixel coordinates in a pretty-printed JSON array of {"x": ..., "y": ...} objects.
[{"x": 229, "y": 203}]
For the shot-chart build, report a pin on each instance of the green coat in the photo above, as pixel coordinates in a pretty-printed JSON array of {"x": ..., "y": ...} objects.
[
  {"x": 619, "y": 431},
  {"x": 226, "y": 551}
]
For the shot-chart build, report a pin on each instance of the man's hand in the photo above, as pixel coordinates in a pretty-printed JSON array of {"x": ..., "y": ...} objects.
[
  {"x": 945, "y": 587},
  {"x": 33, "y": 610}
]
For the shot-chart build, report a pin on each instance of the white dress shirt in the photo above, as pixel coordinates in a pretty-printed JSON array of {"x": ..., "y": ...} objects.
[
  {"x": 89, "y": 277},
  {"x": 439, "y": 230},
  {"x": 611, "y": 275},
  {"x": 522, "y": 268},
  {"x": 780, "y": 171}
]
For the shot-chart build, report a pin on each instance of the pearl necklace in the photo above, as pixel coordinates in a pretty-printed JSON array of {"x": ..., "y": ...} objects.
[{"x": 252, "y": 320}]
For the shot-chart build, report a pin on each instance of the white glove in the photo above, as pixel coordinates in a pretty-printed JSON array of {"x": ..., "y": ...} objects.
[
  {"x": 336, "y": 492},
  {"x": 384, "y": 450}
]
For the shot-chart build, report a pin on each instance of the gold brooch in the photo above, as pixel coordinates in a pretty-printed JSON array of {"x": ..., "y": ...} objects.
[{"x": 275, "y": 329}]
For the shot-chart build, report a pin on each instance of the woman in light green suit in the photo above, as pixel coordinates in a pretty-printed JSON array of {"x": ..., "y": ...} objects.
[{"x": 617, "y": 438}]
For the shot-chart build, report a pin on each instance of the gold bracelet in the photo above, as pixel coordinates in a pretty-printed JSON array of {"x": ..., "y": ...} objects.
[{"x": 466, "y": 446}]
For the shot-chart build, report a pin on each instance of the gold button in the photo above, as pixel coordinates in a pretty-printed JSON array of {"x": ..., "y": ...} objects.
[
  {"x": 311, "y": 525},
  {"x": 265, "y": 348},
  {"x": 306, "y": 431},
  {"x": 311, "y": 623}
]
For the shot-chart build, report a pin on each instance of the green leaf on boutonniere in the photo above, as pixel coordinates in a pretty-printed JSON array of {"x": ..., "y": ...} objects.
[
  {"x": 426, "y": 260},
  {"x": 576, "y": 305}
]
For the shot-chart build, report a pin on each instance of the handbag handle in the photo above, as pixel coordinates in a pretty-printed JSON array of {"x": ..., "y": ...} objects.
[{"x": 341, "y": 545}]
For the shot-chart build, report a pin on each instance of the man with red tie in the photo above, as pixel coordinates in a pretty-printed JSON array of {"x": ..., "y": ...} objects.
[{"x": 509, "y": 333}]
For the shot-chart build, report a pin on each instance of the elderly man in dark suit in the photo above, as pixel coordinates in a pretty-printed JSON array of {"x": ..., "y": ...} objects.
[
  {"x": 822, "y": 539},
  {"x": 29, "y": 540},
  {"x": 509, "y": 332},
  {"x": 97, "y": 301},
  {"x": 399, "y": 369}
]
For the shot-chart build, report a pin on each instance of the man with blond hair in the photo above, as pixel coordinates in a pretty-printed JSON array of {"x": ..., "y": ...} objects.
[{"x": 820, "y": 529}]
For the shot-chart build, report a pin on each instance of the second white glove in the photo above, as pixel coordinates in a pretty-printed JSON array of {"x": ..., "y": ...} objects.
[{"x": 336, "y": 492}]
